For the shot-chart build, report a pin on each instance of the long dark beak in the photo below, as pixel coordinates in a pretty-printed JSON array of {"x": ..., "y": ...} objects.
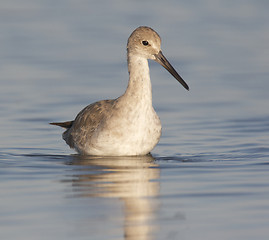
[{"x": 160, "y": 58}]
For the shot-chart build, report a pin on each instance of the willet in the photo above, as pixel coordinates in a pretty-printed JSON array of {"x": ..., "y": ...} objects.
[{"x": 127, "y": 125}]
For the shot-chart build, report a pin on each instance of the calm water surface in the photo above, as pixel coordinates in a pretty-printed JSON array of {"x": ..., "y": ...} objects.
[{"x": 208, "y": 178}]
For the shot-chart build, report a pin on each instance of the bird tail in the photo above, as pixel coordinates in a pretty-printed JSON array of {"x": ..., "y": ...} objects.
[{"x": 66, "y": 125}]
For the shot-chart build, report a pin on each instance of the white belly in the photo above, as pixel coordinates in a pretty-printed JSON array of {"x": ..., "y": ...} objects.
[{"x": 135, "y": 133}]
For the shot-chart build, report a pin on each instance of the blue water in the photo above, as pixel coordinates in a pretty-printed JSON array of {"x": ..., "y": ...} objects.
[{"x": 208, "y": 178}]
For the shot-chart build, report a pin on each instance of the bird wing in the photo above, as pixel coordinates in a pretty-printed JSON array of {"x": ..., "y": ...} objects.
[{"x": 86, "y": 122}]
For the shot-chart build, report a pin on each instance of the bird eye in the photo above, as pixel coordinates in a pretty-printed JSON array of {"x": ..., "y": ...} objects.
[{"x": 145, "y": 43}]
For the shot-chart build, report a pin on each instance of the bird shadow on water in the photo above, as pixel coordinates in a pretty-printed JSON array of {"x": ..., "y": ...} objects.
[{"x": 132, "y": 180}]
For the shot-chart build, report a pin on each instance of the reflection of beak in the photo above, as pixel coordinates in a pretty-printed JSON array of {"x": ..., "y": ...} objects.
[{"x": 160, "y": 58}]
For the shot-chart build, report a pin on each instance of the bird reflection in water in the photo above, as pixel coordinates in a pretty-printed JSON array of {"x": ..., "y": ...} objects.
[{"x": 130, "y": 179}]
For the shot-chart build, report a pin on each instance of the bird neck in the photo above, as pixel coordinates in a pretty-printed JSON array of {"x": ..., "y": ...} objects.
[{"x": 139, "y": 86}]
